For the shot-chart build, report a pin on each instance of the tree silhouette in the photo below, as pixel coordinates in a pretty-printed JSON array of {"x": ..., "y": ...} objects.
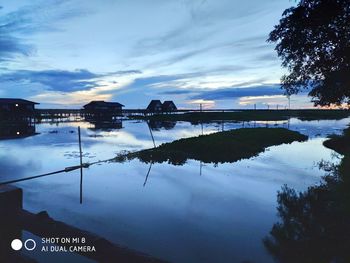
[{"x": 313, "y": 41}]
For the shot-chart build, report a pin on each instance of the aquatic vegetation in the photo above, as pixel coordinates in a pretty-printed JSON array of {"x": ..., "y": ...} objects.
[
  {"x": 250, "y": 115},
  {"x": 339, "y": 143},
  {"x": 227, "y": 146}
]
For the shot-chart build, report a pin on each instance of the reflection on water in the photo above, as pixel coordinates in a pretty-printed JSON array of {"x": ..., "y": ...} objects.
[
  {"x": 314, "y": 225},
  {"x": 191, "y": 213},
  {"x": 157, "y": 125},
  {"x": 107, "y": 125},
  {"x": 15, "y": 219},
  {"x": 16, "y": 130}
]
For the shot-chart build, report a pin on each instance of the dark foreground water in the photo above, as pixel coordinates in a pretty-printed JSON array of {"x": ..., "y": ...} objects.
[{"x": 191, "y": 213}]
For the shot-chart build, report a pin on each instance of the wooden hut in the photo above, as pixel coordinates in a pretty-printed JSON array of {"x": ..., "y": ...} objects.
[
  {"x": 16, "y": 105},
  {"x": 100, "y": 105},
  {"x": 168, "y": 106},
  {"x": 101, "y": 110},
  {"x": 155, "y": 106},
  {"x": 16, "y": 109}
]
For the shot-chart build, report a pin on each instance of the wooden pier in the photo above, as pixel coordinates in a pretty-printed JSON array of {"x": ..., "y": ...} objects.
[
  {"x": 65, "y": 113},
  {"x": 58, "y": 113}
]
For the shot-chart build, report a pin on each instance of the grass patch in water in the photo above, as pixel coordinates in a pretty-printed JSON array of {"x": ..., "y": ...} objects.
[
  {"x": 250, "y": 115},
  {"x": 227, "y": 146},
  {"x": 339, "y": 143}
]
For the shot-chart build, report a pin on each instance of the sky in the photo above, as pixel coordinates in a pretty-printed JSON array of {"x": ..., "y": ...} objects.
[{"x": 65, "y": 53}]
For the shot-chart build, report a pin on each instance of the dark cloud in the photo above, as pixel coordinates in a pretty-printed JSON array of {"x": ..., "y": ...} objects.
[
  {"x": 162, "y": 86},
  {"x": 57, "y": 80},
  {"x": 176, "y": 92},
  {"x": 148, "y": 82},
  {"x": 160, "y": 83},
  {"x": 61, "y": 80},
  {"x": 248, "y": 88},
  {"x": 228, "y": 93},
  {"x": 126, "y": 72},
  {"x": 17, "y": 26},
  {"x": 40, "y": 17},
  {"x": 141, "y": 90},
  {"x": 11, "y": 46}
]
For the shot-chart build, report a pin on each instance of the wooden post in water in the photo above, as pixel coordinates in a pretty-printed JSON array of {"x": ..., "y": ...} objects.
[
  {"x": 150, "y": 130},
  {"x": 149, "y": 170},
  {"x": 201, "y": 116},
  {"x": 81, "y": 166}
]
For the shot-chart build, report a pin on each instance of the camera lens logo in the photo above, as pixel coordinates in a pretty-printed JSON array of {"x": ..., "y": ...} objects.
[
  {"x": 29, "y": 244},
  {"x": 16, "y": 244}
]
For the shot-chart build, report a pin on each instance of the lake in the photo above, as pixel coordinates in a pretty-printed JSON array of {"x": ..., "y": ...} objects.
[{"x": 192, "y": 213}]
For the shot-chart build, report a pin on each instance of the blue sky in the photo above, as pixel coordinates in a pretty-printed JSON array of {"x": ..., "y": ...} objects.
[{"x": 65, "y": 53}]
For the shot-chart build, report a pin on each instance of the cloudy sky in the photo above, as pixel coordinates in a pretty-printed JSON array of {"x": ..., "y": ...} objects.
[{"x": 64, "y": 53}]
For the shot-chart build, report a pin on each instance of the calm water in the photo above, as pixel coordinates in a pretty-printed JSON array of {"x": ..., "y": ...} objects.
[{"x": 191, "y": 213}]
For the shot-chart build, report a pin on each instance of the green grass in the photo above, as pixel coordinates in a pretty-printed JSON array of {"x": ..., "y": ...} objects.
[
  {"x": 227, "y": 146},
  {"x": 250, "y": 115}
]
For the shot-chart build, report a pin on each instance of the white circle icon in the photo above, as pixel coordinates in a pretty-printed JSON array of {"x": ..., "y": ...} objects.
[
  {"x": 31, "y": 246},
  {"x": 16, "y": 244}
]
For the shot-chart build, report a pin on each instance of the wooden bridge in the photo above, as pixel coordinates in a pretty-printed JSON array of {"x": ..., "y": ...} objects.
[
  {"x": 58, "y": 113},
  {"x": 65, "y": 113}
]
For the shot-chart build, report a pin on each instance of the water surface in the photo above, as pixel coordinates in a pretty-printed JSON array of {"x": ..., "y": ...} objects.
[{"x": 191, "y": 213}]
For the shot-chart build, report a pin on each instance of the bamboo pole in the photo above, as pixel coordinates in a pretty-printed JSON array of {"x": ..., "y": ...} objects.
[{"x": 81, "y": 166}]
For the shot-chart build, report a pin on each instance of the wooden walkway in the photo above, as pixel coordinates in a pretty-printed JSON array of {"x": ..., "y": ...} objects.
[
  {"x": 58, "y": 113},
  {"x": 64, "y": 113}
]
